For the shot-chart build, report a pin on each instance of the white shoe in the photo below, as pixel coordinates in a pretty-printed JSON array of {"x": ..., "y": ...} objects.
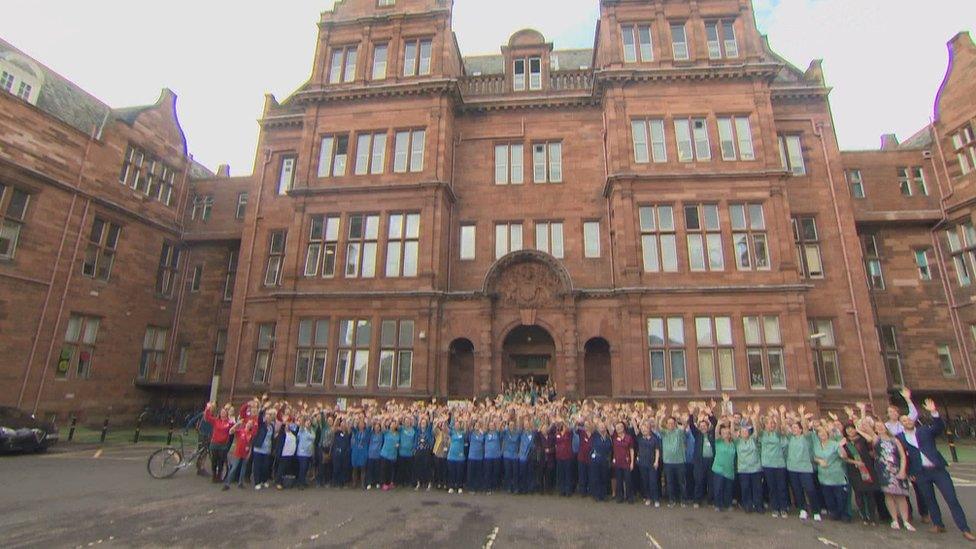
[
  {"x": 909, "y": 527},
  {"x": 774, "y": 514},
  {"x": 267, "y": 485},
  {"x": 895, "y": 525},
  {"x": 369, "y": 486},
  {"x": 657, "y": 504},
  {"x": 803, "y": 514},
  {"x": 817, "y": 517},
  {"x": 428, "y": 487},
  {"x": 450, "y": 491},
  {"x": 647, "y": 503},
  {"x": 695, "y": 506},
  {"x": 257, "y": 486},
  {"x": 460, "y": 490}
]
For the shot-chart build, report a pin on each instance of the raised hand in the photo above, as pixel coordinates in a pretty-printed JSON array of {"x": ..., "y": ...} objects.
[
  {"x": 906, "y": 394},
  {"x": 930, "y": 406}
]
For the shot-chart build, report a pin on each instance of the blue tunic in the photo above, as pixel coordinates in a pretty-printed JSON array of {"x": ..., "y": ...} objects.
[
  {"x": 476, "y": 446},
  {"x": 525, "y": 445},
  {"x": 493, "y": 445},
  {"x": 510, "y": 443},
  {"x": 360, "y": 447},
  {"x": 602, "y": 447},
  {"x": 375, "y": 444},
  {"x": 390, "y": 441},
  {"x": 455, "y": 451},
  {"x": 408, "y": 438}
]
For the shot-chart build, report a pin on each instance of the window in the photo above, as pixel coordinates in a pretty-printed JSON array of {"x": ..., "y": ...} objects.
[
  {"x": 749, "y": 237},
  {"x": 276, "y": 257},
  {"x": 907, "y": 177},
  {"x": 370, "y": 153},
  {"x": 549, "y": 238},
  {"x": 379, "y": 61},
  {"x": 412, "y": 65},
  {"x": 824, "y": 348},
  {"x": 958, "y": 255},
  {"x": 637, "y": 43},
  {"x": 183, "y": 359},
  {"x": 286, "y": 176},
  {"x": 333, "y": 155},
  {"x": 547, "y": 162},
  {"x": 892, "y": 356},
  {"x": 219, "y": 350},
  {"x": 692, "y": 136},
  {"x": 79, "y": 347},
  {"x": 508, "y": 238},
  {"x": 24, "y": 91},
  {"x": 904, "y": 182},
  {"x": 202, "y": 208},
  {"x": 241, "y": 205},
  {"x": 147, "y": 174},
  {"x": 354, "y": 342},
  {"x": 508, "y": 164},
  {"x": 945, "y": 361},
  {"x": 323, "y": 245},
  {"x": 534, "y": 65},
  {"x": 468, "y": 233},
  {"x": 964, "y": 145},
  {"x": 807, "y": 241},
  {"x": 153, "y": 353},
  {"x": 922, "y": 262},
  {"x": 791, "y": 154},
  {"x": 658, "y": 239},
  {"x": 403, "y": 245},
  {"x": 264, "y": 353},
  {"x": 715, "y": 349},
  {"x": 735, "y": 132},
  {"x": 313, "y": 350},
  {"x": 342, "y": 68},
  {"x": 721, "y": 39},
  {"x": 872, "y": 261},
  {"x": 385, "y": 3},
  {"x": 100, "y": 255},
  {"x": 679, "y": 42},
  {"x": 704, "y": 238},
  {"x": 196, "y": 278},
  {"x": 409, "y": 151},
  {"x": 396, "y": 353},
  {"x": 231, "y": 275},
  {"x": 364, "y": 231},
  {"x": 13, "y": 210},
  {"x": 764, "y": 352},
  {"x": 169, "y": 262},
  {"x": 641, "y": 130},
  {"x": 856, "y": 183},
  {"x": 591, "y": 239},
  {"x": 666, "y": 343},
  {"x": 6, "y": 81}
]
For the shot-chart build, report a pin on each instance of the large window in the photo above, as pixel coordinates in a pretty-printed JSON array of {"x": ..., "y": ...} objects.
[
  {"x": 409, "y": 151},
  {"x": 313, "y": 351},
  {"x": 547, "y": 162},
  {"x": 704, "y": 235},
  {"x": 196, "y": 278},
  {"x": 791, "y": 154},
  {"x": 276, "y": 257},
  {"x": 658, "y": 239},
  {"x": 147, "y": 174},
  {"x": 202, "y": 207},
  {"x": 219, "y": 350},
  {"x": 333, "y": 155},
  {"x": 353, "y": 357},
  {"x": 241, "y": 206},
  {"x": 396, "y": 354},
  {"x": 892, "y": 355},
  {"x": 231, "y": 275},
  {"x": 648, "y": 136},
  {"x": 923, "y": 264},
  {"x": 856, "y": 183},
  {"x": 508, "y": 238},
  {"x": 342, "y": 67},
  {"x": 100, "y": 254},
  {"x": 169, "y": 263},
  {"x": 872, "y": 261},
  {"x": 749, "y": 237},
  {"x": 416, "y": 57},
  {"x": 716, "y": 353},
  {"x": 153, "y": 353},
  {"x": 959, "y": 252},
  {"x": 679, "y": 42},
  {"x": 824, "y": 347},
  {"x": 468, "y": 235},
  {"x": 549, "y": 238},
  {"x": 764, "y": 352},
  {"x": 380, "y": 52},
  {"x": 721, "y": 39},
  {"x": 370, "y": 153},
  {"x": 666, "y": 341},
  {"x": 637, "y": 43},
  {"x": 591, "y": 239},
  {"x": 692, "y": 136},
  {"x": 364, "y": 231},
  {"x": 286, "y": 174},
  {"x": 735, "y": 138},
  {"x": 509, "y": 164},
  {"x": 945, "y": 361},
  {"x": 964, "y": 145},
  {"x": 531, "y": 66},
  {"x": 323, "y": 246},
  {"x": 78, "y": 351},
  {"x": 13, "y": 211},
  {"x": 807, "y": 240},
  {"x": 264, "y": 353},
  {"x": 403, "y": 245},
  {"x": 912, "y": 181}
]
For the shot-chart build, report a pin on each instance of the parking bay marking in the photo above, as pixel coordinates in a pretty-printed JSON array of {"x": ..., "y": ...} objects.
[{"x": 651, "y": 541}]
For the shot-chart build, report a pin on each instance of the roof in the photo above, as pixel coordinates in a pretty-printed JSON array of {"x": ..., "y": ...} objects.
[
  {"x": 566, "y": 60},
  {"x": 921, "y": 140},
  {"x": 199, "y": 171}
]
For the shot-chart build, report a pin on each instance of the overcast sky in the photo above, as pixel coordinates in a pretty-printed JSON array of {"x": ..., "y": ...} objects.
[{"x": 884, "y": 58}]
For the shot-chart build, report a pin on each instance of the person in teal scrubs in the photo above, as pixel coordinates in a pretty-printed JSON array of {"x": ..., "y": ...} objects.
[{"x": 723, "y": 469}]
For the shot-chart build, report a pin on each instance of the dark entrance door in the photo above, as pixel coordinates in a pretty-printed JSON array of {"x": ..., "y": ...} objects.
[
  {"x": 528, "y": 353},
  {"x": 460, "y": 375},
  {"x": 596, "y": 365}
]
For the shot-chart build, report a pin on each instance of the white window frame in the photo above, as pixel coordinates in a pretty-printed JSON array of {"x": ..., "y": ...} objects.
[
  {"x": 591, "y": 239},
  {"x": 508, "y": 238}
]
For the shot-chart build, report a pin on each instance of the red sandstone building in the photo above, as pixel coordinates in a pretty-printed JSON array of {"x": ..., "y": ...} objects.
[{"x": 665, "y": 215}]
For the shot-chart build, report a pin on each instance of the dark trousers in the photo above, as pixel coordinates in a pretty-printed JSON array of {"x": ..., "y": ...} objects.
[
  {"x": 583, "y": 478},
  {"x": 236, "y": 472},
  {"x": 404, "y": 473},
  {"x": 867, "y": 505},
  {"x": 387, "y": 469},
  {"x": 674, "y": 475},
  {"x": 261, "y": 469},
  {"x": 303, "y": 464},
  {"x": 930, "y": 479},
  {"x": 838, "y": 500},
  {"x": 286, "y": 464},
  {"x": 722, "y": 489},
  {"x": 440, "y": 471},
  {"x": 779, "y": 498},
  {"x": 218, "y": 461},
  {"x": 324, "y": 475},
  {"x": 455, "y": 474},
  {"x": 422, "y": 467},
  {"x": 564, "y": 476},
  {"x": 923, "y": 507},
  {"x": 599, "y": 478},
  {"x": 625, "y": 490},
  {"x": 372, "y": 471},
  {"x": 649, "y": 483},
  {"x": 750, "y": 486},
  {"x": 511, "y": 474},
  {"x": 804, "y": 492},
  {"x": 340, "y": 470},
  {"x": 526, "y": 476},
  {"x": 476, "y": 473},
  {"x": 493, "y": 468},
  {"x": 702, "y": 474}
]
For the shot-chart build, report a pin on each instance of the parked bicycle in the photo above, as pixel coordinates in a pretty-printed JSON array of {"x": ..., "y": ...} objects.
[{"x": 167, "y": 461}]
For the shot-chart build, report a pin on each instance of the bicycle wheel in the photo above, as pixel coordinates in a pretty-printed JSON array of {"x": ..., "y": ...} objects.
[{"x": 164, "y": 463}]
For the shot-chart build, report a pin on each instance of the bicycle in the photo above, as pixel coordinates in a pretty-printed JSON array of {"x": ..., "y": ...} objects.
[{"x": 167, "y": 461}]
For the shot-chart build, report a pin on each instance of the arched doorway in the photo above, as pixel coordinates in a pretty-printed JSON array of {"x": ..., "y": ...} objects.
[
  {"x": 460, "y": 369},
  {"x": 598, "y": 376},
  {"x": 528, "y": 352}
]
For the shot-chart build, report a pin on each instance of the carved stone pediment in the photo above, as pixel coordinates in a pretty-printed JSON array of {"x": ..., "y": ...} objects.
[{"x": 527, "y": 280}]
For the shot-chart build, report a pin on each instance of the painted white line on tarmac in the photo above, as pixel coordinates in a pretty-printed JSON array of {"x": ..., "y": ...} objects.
[
  {"x": 98, "y": 454},
  {"x": 651, "y": 541},
  {"x": 490, "y": 540},
  {"x": 830, "y": 543}
]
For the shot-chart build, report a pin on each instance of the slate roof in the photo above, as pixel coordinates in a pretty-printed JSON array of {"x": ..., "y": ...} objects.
[{"x": 921, "y": 140}]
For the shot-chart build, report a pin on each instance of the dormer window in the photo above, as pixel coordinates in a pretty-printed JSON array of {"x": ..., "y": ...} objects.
[
  {"x": 534, "y": 66},
  {"x": 20, "y": 76}
]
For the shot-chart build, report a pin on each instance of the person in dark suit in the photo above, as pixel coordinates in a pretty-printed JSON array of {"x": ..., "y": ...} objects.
[{"x": 927, "y": 466}]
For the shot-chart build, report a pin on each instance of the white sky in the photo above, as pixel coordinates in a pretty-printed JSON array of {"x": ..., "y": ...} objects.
[{"x": 884, "y": 58}]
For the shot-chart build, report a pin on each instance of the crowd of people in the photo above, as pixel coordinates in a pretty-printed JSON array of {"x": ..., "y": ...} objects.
[{"x": 527, "y": 441}]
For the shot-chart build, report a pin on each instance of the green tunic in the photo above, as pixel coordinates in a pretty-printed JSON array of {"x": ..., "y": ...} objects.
[
  {"x": 708, "y": 451},
  {"x": 673, "y": 446},
  {"x": 724, "y": 464},
  {"x": 771, "y": 445},
  {"x": 832, "y": 474},
  {"x": 747, "y": 449},
  {"x": 799, "y": 453}
]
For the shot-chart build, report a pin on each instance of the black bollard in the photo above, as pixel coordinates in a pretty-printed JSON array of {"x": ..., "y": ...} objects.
[
  {"x": 135, "y": 437},
  {"x": 169, "y": 435},
  {"x": 951, "y": 438},
  {"x": 71, "y": 430},
  {"x": 104, "y": 430}
]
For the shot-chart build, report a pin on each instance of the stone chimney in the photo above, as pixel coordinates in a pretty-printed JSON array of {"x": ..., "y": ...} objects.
[
  {"x": 889, "y": 142},
  {"x": 223, "y": 170}
]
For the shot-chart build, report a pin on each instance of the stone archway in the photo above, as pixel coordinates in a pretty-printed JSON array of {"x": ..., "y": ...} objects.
[
  {"x": 460, "y": 369},
  {"x": 528, "y": 352},
  {"x": 597, "y": 372}
]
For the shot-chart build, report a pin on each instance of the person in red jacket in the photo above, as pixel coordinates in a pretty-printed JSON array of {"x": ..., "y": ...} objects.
[
  {"x": 244, "y": 431},
  {"x": 623, "y": 463},
  {"x": 219, "y": 440},
  {"x": 564, "y": 459}
]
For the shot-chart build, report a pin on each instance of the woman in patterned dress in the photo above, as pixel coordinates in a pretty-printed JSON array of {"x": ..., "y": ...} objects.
[{"x": 892, "y": 474}]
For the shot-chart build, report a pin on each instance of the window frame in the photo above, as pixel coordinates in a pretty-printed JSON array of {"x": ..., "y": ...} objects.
[
  {"x": 406, "y": 243},
  {"x": 591, "y": 239},
  {"x": 668, "y": 349},
  {"x": 654, "y": 231},
  {"x": 276, "y": 257},
  {"x": 805, "y": 244},
  {"x": 640, "y": 48},
  {"x": 310, "y": 350},
  {"x": 396, "y": 350},
  {"x": 717, "y": 348},
  {"x": 415, "y": 67},
  {"x": 264, "y": 346},
  {"x": 101, "y": 250},
  {"x": 12, "y": 224},
  {"x": 71, "y": 363},
  {"x": 823, "y": 349},
  {"x": 550, "y": 243},
  {"x": 340, "y": 58},
  {"x": 855, "y": 182},
  {"x": 509, "y": 239},
  {"x": 362, "y": 248},
  {"x": 765, "y": 347},
  {"x": 753, "y": 233}
]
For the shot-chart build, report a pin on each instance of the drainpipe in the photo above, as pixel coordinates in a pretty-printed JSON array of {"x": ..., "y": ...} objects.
[
  {"x": 178, "y": 311},
  {"x": 606, "y": 174}
]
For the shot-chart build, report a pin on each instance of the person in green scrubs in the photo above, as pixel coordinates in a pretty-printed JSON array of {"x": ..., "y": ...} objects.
[
  {"x": 829, "y": 455},
  {"x": 723, "y": 469},
  {"x": 748, "y": 466},
  {"x": 673, "y": 444},
  {"x": 799, "y": 465},
  {"x": 772, "y": 446}
]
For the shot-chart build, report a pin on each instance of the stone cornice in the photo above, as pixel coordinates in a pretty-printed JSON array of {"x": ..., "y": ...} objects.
[
  {"x": 372, "y": 189},
  {"x": 615, "y": 179},
  {"x": 696, "y": 72}
]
